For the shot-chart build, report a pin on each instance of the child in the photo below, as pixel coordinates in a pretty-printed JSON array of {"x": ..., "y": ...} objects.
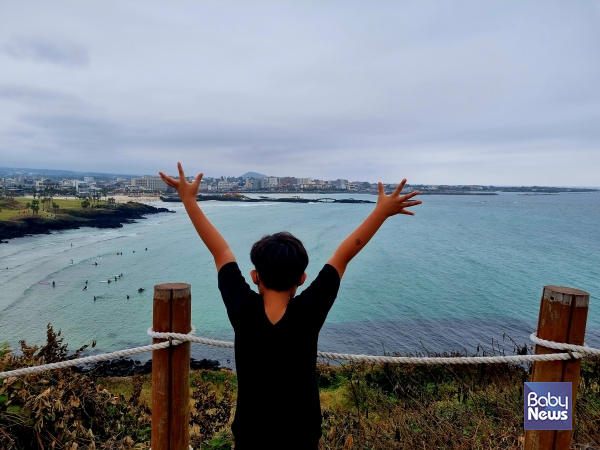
[{"x": 276, "y": 331}]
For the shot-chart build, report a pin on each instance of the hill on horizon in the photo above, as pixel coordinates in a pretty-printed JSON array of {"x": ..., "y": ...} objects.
[{"x": 253, "y": 175}]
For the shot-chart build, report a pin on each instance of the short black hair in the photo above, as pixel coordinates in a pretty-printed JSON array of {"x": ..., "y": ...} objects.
[{"x": 280, "y": 260}]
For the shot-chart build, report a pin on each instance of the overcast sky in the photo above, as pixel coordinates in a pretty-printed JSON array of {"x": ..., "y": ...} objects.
[{"x": 450, "y": 92}]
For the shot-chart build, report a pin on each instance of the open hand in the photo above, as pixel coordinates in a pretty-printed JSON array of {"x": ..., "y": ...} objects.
[
  {"x": 393, "y": 204},
  {"x": 185, "y": 190}
]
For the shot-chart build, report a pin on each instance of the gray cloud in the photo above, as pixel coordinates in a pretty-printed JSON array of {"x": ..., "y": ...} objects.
[
  {"x": 45, "y": 51},
  {"x": 459, "y": 92},
  {"x": 38, "y": 97}
]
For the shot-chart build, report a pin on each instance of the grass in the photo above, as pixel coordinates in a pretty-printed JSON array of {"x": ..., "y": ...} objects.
[
  {"x": 124, "y": 386},
  {"x": 11, "y": 207}
]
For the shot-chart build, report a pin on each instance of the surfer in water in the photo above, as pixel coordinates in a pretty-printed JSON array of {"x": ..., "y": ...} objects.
[{"x": 85, "y": 288}]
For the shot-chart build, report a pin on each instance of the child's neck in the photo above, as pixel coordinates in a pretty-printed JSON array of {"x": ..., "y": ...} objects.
[{"x": 276, "y": 303}]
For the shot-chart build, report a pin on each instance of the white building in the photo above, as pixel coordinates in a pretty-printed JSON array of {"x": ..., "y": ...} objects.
[
  {"x": 252, "y": 184},
  {"x": 303, "y": 181},
  {"x": 81, "y": 187},
  {"x": 151, "y": 183},
  {"x": 43, "y": 183},
  {"x": 224, "y": 185},
  {"x": 88, "y": 179}
]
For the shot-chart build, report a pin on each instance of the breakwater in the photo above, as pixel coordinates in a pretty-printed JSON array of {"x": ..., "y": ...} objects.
[{"x": 243, "y": 198}]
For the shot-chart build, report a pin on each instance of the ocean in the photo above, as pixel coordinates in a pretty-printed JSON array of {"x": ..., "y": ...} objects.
[{"x": 465, "y": 271}]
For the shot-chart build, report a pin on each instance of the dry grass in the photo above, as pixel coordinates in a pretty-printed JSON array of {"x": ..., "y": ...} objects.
[{"x": 440, "y": 407}]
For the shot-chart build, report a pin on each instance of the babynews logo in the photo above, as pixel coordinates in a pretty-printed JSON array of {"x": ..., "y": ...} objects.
[{"x": 548, "y": 406}]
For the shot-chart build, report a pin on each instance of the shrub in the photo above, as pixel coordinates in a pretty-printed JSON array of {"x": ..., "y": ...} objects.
[{"x": 62, "y": 409}]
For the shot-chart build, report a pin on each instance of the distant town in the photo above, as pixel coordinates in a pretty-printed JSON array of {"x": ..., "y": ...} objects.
[{"x": 19, "y": 182}]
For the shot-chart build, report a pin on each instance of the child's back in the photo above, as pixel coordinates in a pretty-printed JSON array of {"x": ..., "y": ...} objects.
[
  {"x": 278, "y": 398},
  {"x": 276, "y": 332}
]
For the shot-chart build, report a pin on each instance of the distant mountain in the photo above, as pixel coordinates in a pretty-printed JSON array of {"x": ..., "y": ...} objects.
[{"x": 253, "y": 175}]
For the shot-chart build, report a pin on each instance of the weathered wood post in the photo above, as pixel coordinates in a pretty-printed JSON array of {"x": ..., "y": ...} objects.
[
  {"x": 563, "y": 316},
  {"x": 171, "y": 368}
]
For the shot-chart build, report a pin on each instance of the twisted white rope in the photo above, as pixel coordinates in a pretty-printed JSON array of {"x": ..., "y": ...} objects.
[
  {"x": 86, "y": 360},
  {"x": 189, "y": 337},
  {"x": 558, "y": 346},
  {"x": 98, "y": 358},
  {"x": 576, "y": 352}
]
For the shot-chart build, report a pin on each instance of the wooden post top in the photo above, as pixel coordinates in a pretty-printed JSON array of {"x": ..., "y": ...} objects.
[
  {"x": 163, "y": 291},
  {"x": 566, "y": 290},
  {"x": 566, "y": 295}
]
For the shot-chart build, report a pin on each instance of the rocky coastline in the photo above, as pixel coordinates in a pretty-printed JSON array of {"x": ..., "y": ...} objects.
[
  {"x": 113, "y": 217},
  {"x": 125, "y": 367}
]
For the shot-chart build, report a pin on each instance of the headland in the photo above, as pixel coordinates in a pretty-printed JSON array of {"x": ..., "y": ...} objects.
[{"x": 18, "y": 219}]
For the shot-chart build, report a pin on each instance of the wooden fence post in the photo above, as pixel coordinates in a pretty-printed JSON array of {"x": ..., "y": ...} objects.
[
  {"x": 563, "y": 316},
  {"x": 172, "y": 311}
]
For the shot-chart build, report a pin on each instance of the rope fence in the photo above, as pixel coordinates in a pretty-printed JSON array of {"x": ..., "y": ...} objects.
[{"x": 173, "y": 339}]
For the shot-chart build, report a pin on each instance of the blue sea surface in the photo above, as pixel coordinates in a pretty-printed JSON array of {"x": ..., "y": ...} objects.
[{"x": 466, "y": 270}]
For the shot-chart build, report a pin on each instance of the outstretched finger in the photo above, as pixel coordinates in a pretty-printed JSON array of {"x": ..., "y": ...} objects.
[
  {"x": 173, "y": 185},
  {"x": 167, "y": 179},
  {"x": 410, "y": 195},
  {"x": 181, "y": 174},
  {"x": 408, "y": 213},
  {"x": 198, "y": 180},
  {"x": 409, "y": 204},
  {"x": 399, "y": 188}
]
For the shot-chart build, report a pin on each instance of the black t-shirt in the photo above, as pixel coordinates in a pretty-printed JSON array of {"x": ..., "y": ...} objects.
[{"x": 278, "y": 397}]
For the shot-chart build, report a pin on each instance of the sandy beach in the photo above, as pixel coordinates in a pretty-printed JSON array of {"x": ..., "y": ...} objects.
[{"x": 142, "y": 199}]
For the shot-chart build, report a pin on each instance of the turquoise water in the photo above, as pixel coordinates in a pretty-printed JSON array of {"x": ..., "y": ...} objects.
[{"x": 463, "y": 271}]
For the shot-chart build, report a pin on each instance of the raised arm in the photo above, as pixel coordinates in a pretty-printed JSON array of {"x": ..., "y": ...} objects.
[
  {"x": 387, "y": 206},
  {"x": 211, "y": 237}
]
